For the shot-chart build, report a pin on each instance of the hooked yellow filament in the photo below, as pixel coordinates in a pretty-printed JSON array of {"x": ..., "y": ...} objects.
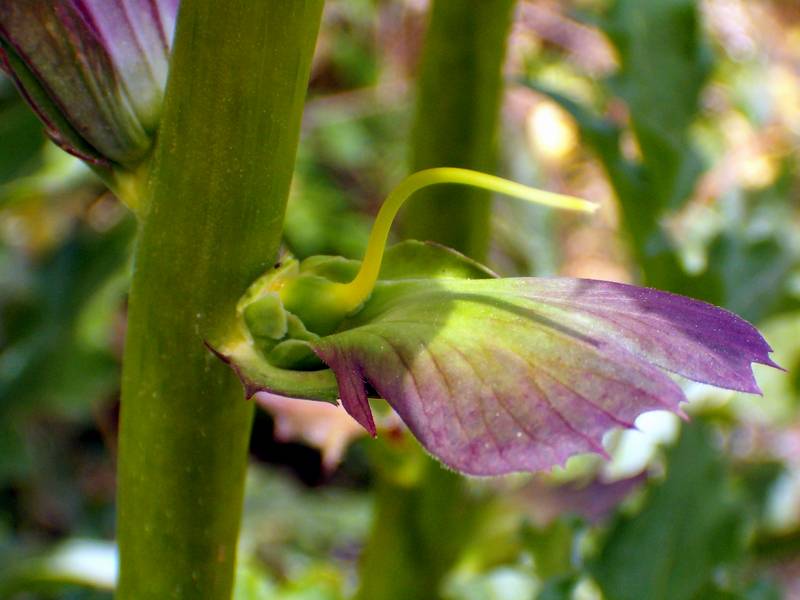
[{"x": 353, "y": 294}]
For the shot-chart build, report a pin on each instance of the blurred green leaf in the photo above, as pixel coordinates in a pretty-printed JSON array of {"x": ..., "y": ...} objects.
[
  {"x": 42, "y": 362},
  {"x": 551, "y": 547},
  {"x": 664, "y": 64},
  {"x": 21, "y": 137},
  {"x": 252, "y": 584},
  {"x": 558, "y": 588},
  {"x": 689, "y": 525},
  {"x": 51, "y": 357},
  {"x": 762, "y": 590},
  {"x": 286, "y": 527},
  {"x": 754, "y": 256}
]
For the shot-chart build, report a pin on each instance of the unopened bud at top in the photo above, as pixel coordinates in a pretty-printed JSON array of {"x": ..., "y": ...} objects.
[{"x": 93, "y": 70}]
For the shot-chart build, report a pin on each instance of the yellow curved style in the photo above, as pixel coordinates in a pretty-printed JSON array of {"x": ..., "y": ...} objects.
[{"x": 353, "y": 294}]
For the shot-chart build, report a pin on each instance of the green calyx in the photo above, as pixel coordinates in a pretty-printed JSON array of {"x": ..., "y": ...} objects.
[
  {"x": 128, "y": 185},
  {"x": 298, "y": 299}
]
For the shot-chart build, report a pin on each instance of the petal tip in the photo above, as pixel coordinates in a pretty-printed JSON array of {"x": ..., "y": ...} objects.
[
  {"x": 352, "y": 392},
  {"x": 768, "y": 362}
]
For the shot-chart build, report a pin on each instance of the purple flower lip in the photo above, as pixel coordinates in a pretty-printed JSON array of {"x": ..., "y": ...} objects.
[
  {"x": 94, "y": 71},
  {"x": 503, "y": 375}
]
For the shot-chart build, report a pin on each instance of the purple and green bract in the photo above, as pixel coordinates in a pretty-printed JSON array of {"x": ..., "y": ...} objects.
[
  {"x": 94, "y": 71},
  {"x": 500, "y": 375}
]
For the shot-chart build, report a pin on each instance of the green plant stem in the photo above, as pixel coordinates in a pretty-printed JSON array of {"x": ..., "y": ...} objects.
[
  {"x": 420, "y": 528},
  {"x": 211, "y": 223},
  {"x": 455, "y": 125}
]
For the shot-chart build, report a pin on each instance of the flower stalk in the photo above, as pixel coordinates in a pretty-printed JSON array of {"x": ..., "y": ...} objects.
[{"x": 212, "y": 220}]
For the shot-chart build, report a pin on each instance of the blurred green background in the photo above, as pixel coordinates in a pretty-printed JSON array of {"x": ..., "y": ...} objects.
[{"x": 681, "y": 117}]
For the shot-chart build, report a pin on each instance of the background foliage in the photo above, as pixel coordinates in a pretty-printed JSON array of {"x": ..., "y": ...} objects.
[{"x": 682, "y": 117}]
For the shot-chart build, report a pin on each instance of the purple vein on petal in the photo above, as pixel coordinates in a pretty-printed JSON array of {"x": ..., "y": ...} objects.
[
  {"x": 422, "y": 401},
  {"x": 488, "y": 387},
  {"x": 728, "y": 355},
  {"x": 591, "y": 443},
  {"x": 561, "y": 451},
  {"x": 455, "y": 402}
]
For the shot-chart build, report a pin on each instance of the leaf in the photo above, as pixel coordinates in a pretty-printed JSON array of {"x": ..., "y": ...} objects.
[
  {"x": 761, "y": 590},
  {"x": 551, "y": 547},
  {"x": 665, "y": 61},
  {"x": 664, "y": 65},
  {"x": 559, "y": 588},
  {"x": 48, "y": 361},
  {"x": 502, "y": 375},
  {"x": 690, "y": 524},
  {"x": 42, "y": 322},
  {"x": 21, "y": 138}
]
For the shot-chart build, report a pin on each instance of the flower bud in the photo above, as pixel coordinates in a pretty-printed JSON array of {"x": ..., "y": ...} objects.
[{"x": 93, "y": 70}]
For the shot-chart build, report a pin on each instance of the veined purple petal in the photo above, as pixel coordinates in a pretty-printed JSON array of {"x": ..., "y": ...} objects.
[
  {"x": 100, "y": 64},
  {"x": 132, "y": 33},
  {"x": 167, "y": 15},
  {"x": 495, "y": 376},
  {"x": 694, "y": 339}
]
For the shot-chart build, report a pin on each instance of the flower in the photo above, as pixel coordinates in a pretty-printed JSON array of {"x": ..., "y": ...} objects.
[
  {"x": 93, "y": 70},
  {"x": 493, "y": 375}
]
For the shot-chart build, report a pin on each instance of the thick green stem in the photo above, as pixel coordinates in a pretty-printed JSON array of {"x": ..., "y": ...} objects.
[
  {"x": 455, "y": 125},
  {"x": 211, "y": 223},
  {"x": 420, "y": 527}
]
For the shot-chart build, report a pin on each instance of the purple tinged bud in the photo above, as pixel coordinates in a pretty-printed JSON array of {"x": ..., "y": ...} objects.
[{"x": 93, "y": 70}]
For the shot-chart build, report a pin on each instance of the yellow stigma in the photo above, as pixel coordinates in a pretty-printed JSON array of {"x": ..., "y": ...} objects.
[{"x": 352, "y": 295}]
